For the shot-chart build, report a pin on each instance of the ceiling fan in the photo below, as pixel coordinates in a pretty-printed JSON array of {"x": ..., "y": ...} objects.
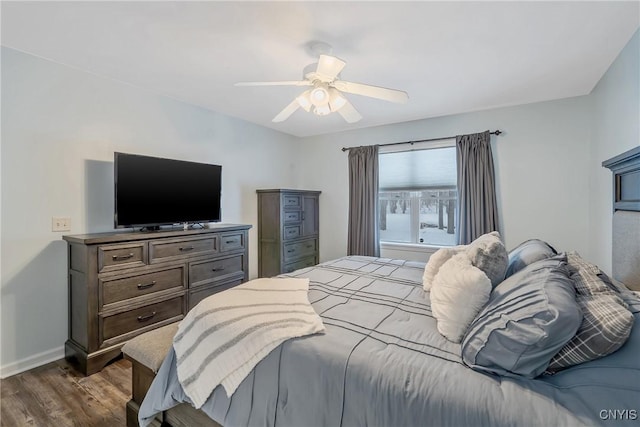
[{"x": 325, "y": 93}]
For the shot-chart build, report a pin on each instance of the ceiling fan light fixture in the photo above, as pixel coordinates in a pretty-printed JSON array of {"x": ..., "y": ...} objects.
[
  {"x": 319, "y": 96},
  {"x": 321, "y": 110},
  {"x": 304, "y": 101},
  {"x": 336, "y": 100}
]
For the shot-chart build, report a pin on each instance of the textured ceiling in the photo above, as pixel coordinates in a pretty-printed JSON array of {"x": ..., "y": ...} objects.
[{"x": 451, "y": 57}]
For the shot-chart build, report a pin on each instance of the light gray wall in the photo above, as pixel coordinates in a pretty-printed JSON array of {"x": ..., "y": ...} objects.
[
  {"x": 60, "y": 128},
  {"x": 550, "y": 181},
  {"x": 616, "y": 129},
  {"x": 541, "y": 169}
]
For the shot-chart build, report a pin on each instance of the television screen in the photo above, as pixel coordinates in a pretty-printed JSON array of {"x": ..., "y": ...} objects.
[{"x": 152, "y": 191}]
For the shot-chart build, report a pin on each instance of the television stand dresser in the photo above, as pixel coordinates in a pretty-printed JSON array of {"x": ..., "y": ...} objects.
[{"x": 122, "y": 284}]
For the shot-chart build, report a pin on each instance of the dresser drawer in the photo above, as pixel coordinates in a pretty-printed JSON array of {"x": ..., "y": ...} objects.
[
  {"x": 291, "y": 232},
  {"x": 163, "y": 249},
  {"x": 292, "y": 216},
  {"x": 122, "y": 323},
  {"x": 115, "y": 290},
  {"x": 114, "y": 257},
  {"x": 204, "y": 291},
  {"x": 297, "y": 250},
  {"x": 201, "y": 273},
  {"x": 303, "y": 263},
  {"x": 231, "y": 242},
  {"x": 291, "y": 201}
]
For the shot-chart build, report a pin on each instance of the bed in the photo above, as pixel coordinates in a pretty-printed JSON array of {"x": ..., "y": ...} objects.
[{"x": 382, "y": 362}]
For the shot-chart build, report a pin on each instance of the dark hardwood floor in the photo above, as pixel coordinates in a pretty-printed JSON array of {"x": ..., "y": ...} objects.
[{"x": 57, "y": 395}]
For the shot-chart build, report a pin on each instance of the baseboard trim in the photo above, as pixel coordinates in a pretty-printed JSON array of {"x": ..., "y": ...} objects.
[{"x": 31, "y": 362}]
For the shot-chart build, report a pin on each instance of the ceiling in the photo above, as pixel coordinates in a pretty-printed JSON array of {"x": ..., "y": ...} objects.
[{"x": 451, "y": 57}]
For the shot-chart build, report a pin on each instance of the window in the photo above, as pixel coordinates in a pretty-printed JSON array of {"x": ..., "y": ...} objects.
[{"x": 418, "y": 196}]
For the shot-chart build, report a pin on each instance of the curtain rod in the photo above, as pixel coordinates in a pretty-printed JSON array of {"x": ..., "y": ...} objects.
[{"x": 496, "y": 132}]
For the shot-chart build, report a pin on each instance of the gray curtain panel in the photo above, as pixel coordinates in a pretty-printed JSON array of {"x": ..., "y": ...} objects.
[
  {"x": 477, "y": 207},
  {"x": 363, "y": 202}
]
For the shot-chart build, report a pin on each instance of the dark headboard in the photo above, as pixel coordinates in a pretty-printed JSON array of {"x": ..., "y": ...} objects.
[{"x": 626, "y": 217}]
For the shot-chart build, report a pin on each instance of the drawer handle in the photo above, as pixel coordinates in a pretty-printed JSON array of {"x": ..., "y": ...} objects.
[
  {"x": 309, "y": 246},
  {"x": 147, "y": 286},
  {"x": 186, "y": 248},
  {"x": 290, "y": 250},
  {"x": 291, "y": 231},
  {"x": 218, "y": 269},
  {"x": 147, "y": 317},
  {"x": 230, "y": 241},
  {"x": 121, "y": 257}
]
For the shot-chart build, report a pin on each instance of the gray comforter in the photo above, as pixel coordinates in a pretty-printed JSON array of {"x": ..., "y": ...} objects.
[{"x": 382, "y": 362}]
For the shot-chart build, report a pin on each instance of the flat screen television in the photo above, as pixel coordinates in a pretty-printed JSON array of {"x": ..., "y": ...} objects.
[{"x": 152, "y": 191}]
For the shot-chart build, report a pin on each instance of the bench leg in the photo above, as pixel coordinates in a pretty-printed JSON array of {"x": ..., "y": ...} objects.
[{"x": 141, "y": 378}]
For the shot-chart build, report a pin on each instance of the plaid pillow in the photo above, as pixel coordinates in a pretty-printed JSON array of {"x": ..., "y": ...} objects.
[
  {"x": 606, "y": 325},
  {"x": 586, "y": 276}
]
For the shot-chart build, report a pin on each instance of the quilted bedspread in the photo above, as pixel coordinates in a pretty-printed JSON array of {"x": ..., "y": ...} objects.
[{"x": 382, "y": 362}]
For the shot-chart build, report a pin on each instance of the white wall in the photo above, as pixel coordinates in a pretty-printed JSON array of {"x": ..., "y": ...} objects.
[
  {"x": 60, "y": 128},
  {"x": 616, "y": 129},
  {"x": 541, "y": 165}
]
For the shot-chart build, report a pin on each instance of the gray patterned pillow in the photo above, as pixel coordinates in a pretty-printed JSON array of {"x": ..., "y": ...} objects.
[
  {"x": 488, "y": 254},
  {"x": 606, "y": 325}
]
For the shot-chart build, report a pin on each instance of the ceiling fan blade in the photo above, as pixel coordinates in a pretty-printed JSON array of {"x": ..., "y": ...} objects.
[
  {"x": 282, "y": 83},
  {"x": 349, "y": 113},
  {"x": 329, "y": 67},
  {"x": 392, "y": 95},
  {"x": 286, "y": 112}
]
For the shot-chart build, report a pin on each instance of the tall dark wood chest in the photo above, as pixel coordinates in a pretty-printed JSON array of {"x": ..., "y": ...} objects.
[{"x": 288, "y": 230}]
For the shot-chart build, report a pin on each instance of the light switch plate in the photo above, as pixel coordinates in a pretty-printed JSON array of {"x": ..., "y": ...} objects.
[{"x": 59, "y": 223}]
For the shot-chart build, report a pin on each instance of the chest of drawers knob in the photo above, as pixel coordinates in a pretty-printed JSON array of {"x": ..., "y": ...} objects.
[
  {"x": 147, "y": 317},
  {"x": 146, "y": 286}
]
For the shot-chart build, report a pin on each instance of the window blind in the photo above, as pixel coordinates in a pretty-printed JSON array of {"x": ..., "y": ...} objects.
[{"x": 433, "y": 168}]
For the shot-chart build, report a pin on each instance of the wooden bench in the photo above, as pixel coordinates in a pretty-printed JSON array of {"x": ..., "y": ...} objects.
[{"x": 146, "y": 353}]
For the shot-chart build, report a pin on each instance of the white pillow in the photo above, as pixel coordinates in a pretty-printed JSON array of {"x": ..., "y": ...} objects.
[
  {"x": 436, "y": 260},
  {"x": 459, "y": 291}
]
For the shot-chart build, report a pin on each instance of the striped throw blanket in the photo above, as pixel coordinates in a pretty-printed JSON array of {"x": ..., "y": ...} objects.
[{"x": 225, "y": 336}]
